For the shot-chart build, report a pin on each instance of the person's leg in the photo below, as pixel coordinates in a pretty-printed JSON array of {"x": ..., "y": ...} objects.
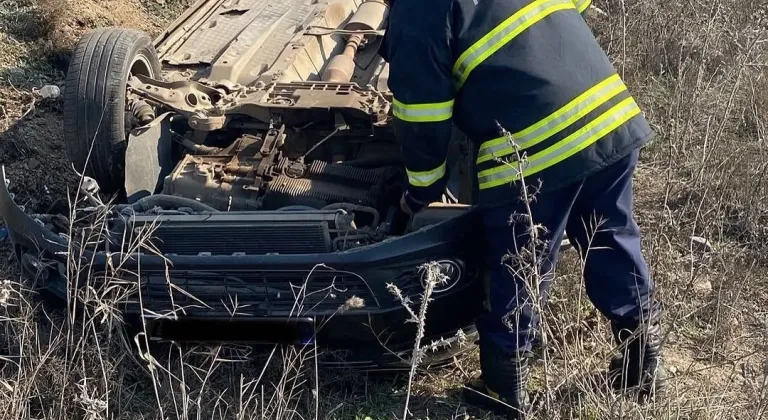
[
  {"x": 511, "y": 323},
  {"x": 602, "y": 227},
  {"x": 507, "y": 330}
]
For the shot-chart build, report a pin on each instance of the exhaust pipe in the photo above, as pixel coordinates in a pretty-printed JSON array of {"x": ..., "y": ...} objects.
[{"x": 371, "y": 15}]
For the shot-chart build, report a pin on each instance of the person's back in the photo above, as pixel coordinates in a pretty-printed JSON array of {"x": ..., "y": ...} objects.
[{"x": 534, "y": 69}]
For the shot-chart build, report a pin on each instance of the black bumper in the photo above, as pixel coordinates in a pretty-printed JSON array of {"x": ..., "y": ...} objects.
[{"x": 344, "y": 300}]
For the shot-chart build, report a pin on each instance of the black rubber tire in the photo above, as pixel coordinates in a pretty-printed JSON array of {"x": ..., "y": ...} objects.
[{"x": 94, "y": 100}]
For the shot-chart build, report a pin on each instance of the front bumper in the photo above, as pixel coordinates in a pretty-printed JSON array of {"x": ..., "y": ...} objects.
[{"x": 343, "y": 300}]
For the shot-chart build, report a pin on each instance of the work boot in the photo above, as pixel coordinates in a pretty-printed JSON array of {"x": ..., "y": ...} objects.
[
  {"x": 501, "y": 387},
  {"x": 640, "y": 365}
]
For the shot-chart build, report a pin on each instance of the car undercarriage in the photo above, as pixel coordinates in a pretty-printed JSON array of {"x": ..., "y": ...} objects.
[{"x": 291, "y": 114}]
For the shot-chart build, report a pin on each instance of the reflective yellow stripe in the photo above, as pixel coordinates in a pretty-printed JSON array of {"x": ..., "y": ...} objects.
[
  {"x": 435, "y": 112},
  {"x": 581, "y": 139},
  {"x": 426, "y": 178},
  {"x": 555, "y": 122},
  {"x": 581, "y": 5},
  {"x": 504, "y": 33}
]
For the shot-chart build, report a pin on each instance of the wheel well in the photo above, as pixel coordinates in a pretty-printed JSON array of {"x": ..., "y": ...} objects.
[{"x": 141, "y": 66}]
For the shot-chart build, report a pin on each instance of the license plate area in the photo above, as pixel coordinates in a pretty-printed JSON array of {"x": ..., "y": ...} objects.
[{"x": 272, "y": 330}]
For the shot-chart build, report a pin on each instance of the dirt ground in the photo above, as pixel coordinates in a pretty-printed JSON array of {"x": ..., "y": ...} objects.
[
  {"x": 699, "y": 69},
  {"x": 36, "y": 40}
]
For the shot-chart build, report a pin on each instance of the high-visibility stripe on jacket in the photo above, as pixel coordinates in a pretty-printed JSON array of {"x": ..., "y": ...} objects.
[
  {"x": 531, "y": 67},
  {"x": 582, "y": 5}
]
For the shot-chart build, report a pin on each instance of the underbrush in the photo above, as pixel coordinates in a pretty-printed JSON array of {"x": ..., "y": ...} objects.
[{"x": 698, "y": 70}]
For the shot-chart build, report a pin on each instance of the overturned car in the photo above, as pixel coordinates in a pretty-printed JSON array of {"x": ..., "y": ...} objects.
[{"x": 250, "y": 148}]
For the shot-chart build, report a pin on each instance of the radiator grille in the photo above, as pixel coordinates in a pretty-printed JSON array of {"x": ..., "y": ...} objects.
[
  {"x": 235, "y": 233},
  {"x": 258, "y": 239},
  {"x": 253, "y": 293}
]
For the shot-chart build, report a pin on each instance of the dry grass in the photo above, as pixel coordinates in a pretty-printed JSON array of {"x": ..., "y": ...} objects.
[{"x": 698, "y": 70}]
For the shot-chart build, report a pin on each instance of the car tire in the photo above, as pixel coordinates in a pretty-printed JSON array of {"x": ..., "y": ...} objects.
[{"x": 95, "y": 100}]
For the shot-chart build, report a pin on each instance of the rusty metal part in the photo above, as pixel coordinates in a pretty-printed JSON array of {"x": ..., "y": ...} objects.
[
  {"x": 199, "y": 149},
  {"x": 323, "y": 99},
  {"x": 342, "y": 66},
  {"x": 204, "y": 178},
  {"x": 221, "y": 181},
  {"x": 183, "y": 96},
  {"x": 231, "y": 181},
  {"x": 203, "y": 122},
  {"x": 227, "y": 85},
  {"x": 370, "y": 15},
  {"x": 257, "y": 172},
  {"x": 209, "y": 106}
]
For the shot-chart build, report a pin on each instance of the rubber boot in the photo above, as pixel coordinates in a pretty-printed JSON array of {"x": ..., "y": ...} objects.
[
  {"x": 640, "y": 365},
  {"x": 501, "y": 387}
]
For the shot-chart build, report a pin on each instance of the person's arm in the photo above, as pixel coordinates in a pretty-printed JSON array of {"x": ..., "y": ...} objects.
[
  {"x": 421, "y": 59},
  {"x": 582, "y": 5}
]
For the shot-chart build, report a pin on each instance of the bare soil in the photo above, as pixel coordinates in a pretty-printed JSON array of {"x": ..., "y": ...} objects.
[{"x": 36, "y": 38}]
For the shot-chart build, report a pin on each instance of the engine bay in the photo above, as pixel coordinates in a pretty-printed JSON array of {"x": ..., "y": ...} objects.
[
  {"x": 274, "y": 129},
  {"x": 267, "y": 172},
  {"x": 327, "y": 187}
]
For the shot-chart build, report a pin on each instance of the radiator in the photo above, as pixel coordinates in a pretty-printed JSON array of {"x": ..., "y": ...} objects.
[{"x": 238, "y": 233}]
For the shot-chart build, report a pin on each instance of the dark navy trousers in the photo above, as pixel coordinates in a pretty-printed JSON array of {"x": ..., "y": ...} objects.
[{"x": 615, "y": 274}]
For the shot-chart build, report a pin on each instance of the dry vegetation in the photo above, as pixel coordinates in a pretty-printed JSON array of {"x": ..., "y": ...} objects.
[{"x": 699, "y": 69}]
